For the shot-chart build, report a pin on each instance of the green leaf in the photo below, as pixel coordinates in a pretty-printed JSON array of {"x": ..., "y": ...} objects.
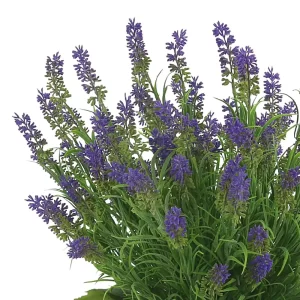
[{"x": 98, "y": 295}]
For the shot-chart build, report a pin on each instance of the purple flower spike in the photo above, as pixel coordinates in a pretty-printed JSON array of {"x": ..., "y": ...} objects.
[
  {"x": 257, "y": 235},
  {"x": 84, "y": 70},
  {"x": 80, "y": 248},
  {"x": 31, "y": 134},
  {"x": 179, "y": 168},
  {"x": 175, "y": 224},
  {"x": 238, "y": 133},
  {"x": 260, "y": 266},
  {"x": 246, "y": 62},
  {"x": 291, "y": 179},
  {"x": 219, "y": 274},
  {"x": 51, "y": 209}
]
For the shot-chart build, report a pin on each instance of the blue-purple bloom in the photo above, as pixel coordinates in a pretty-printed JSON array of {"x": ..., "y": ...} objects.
[
  {"x": 224, "y": 41},
  {"x": 84, "y": 70},
  {"x": 291, "y": 178},
  {"x": 103, "y": 126},
  {"x": 93, "y": 156},
  {"x": 117, "y": 172},
  {"x": 260, "y": 266},
  {"x": 135, "y": 42},
  {"x": 230, "y": 170},
  {"x": 51, "y": 209},
  {"x": 175, "y": 223},
  {"x": 72, "y": 188},
  {"x": 195, "y": 96},
  {"x": 137, "y": 181},
  {"x": 54, "y": 66},
  {"x": 180, "y": 42},
  {"x": 80, "y": 247},
  {"x": 219, "y": 274},
  {"x": 258, "y": 236},
  {"x": 167, "y": 112},
  {"x": 234, "y": 179},
  {"x": 271, "y": 89},
  {"x": 34, "y": 137},
  {"x": 225, "y": 108},
  {"x": 162, "y": 141},
  {"x": 179, "y": 168},
  {"x": 246, "y": 62},
  {"x": 238, "y": 133},
  {"x": 126, "y": 113},
  {"x": 289, "y": 108},
  {"x": 239, "y": 187}
]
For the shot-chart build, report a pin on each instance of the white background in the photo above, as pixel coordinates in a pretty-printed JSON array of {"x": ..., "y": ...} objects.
[{"x": 34, "y": 264}]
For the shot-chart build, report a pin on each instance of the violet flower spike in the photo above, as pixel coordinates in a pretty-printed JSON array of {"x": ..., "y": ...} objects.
[{"x": 175, "y": 223}]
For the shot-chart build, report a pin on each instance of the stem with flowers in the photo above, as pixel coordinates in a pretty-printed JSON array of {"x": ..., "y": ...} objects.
[{"x": 214, "y": 212}]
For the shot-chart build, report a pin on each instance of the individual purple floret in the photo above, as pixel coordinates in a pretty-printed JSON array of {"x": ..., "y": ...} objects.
[
  {"x": 246, "y": 61},
  {"x": 93, "y": 156},
  {"x": 239, "y": 187},
  {"x": 80, "y": 247},
  {"x": 84, "y": 70},
  {"x": 260, "y": 266},
  {"x": 72, "y": 188},
  {"x": 219, "y": 274},
  {"x": 238, "y": 133},
  {"x": 291, "y": 178},
  {"x": 51, "y": 209},
  {"x": 257, "y": 235},
  {"x": 271, "y": 89},
  {"x": 31, "y": 134},
  {"x": 54, "y": 66},
  {"x": 224, "y": 41},
  {"x": 175, "y": 224},
  {"x": 179, "y": 168}
]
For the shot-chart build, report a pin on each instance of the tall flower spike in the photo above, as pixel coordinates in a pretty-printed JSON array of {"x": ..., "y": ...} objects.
[
  {"x": 51, "y": 209},
  {"x": 136, "y": 45},
  {"x": 137, "y": 181},
  {"x": 93, "y": 156},
  {"x": 219, "y": 274},
  {"x": 258, "y": 236},
  {"x": 104, "y": 127},
  {"x": 84, "y": 70},
  {"x": 271, "y": 89},
  {"x": 179, "y": 168},
  {"x": 31, "y": 134},
  {"x": 239, "y": 187},
  {"x": 126, "y": 113},
  {"x": 246, "y": 62},
  {"x": 231, "y": 168},
  {"x": 260, "y": 266},
  {"x": 225, "y": 41},
  {"x": 72, "y": 188},
  {"x": 238, "y": 133},
  {"x": 179, "y": 67},
  {"x": 291, "y": 179},
  {"x": 80, "y": 247},
  {"x": 175, "y": 223}
]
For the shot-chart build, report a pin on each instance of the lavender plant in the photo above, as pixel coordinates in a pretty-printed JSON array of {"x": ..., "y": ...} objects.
[{"x": 214, "y": 214}]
